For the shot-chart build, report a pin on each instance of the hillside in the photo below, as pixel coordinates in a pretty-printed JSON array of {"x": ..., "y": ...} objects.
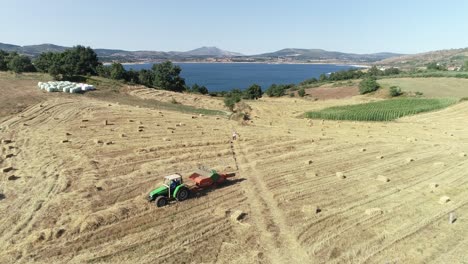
[
  {"x": 213, "y": 54},
  {"x": 76, "y": 170},
  {"x": 323, "y": 55},
  {"x": 449, "y": 57}
]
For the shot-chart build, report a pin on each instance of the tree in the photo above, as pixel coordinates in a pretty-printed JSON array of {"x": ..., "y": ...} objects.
[
  {"x": 45, "y": 61},
  {"x": 301, "y": 92},
  {"x": 323, "y": 78},
  {"x": 20, "y": 63},
  {"x": 117, "y": 71},
  {"x": 465, "y": 66},
  {"x": 374, "y": 71},
  {"x": 436, "y": 66},
  {"x": 368, "y": 85},
  {"x": 198, "y": 89},
  {"x": 166, "y": 77},
  {"x": 253, "y": 92},
  {"x": 3, "y": 60},
  {"x": 146, "y": 78}
]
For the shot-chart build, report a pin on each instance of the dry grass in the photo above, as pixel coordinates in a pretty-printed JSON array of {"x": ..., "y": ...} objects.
[
  {"x": 430, "y": 87},
  {"x": 85, "y": 202}
]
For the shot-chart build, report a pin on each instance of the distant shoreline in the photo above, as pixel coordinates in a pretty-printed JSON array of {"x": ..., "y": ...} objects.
[{"x": 245, "y": 62}]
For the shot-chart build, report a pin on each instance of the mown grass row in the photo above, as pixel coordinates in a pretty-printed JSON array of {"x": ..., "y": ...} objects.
[{"x": 387, "y": 110}]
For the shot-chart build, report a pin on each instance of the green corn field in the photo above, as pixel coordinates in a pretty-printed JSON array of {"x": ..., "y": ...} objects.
[{"x": 387, "y": 110}]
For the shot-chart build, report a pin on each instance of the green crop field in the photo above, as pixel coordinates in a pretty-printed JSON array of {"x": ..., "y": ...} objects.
[
  {"x": 430, "y": 87},
  {"x": 383, "y": 110}
]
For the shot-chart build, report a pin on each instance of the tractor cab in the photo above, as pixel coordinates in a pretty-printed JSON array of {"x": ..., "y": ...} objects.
[
  {"x": 172, "y": 188},
  {"x": 172, "y": 181}
]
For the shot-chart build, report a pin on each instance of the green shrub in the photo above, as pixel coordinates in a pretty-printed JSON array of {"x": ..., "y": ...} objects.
[
  {"x": 368, "y": 85},
  {"x": 231, "y": 99},
  {"x": 395, "y": 91},
  {"x": 291, "y": 95},
  {"x": 301, "y": 92}
]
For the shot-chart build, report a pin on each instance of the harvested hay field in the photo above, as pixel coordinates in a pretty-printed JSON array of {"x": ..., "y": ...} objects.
[
  {"x": 325, "y": 93},
  {"x": 84, "y": 200},
  {"x": 430, "y": 87}
]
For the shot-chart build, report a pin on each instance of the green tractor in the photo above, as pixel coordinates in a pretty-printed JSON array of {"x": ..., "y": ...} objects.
[{"x": 172, "y": 188}]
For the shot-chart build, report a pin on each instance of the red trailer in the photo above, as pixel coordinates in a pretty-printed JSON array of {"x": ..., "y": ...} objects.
[{"x": 207, "y": 178}]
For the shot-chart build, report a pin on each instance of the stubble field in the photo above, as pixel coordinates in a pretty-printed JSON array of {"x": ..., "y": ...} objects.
[{"x": 310, "y": 191}]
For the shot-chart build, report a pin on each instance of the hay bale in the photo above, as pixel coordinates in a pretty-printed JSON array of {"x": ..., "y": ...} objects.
[
  {"x": 308, "y": 162},
  {"x": 444, "y": 199},
  {"x": 382, "y": 178},
  {"x": 109, "y": 142},
  {"x": 84, "y": 120},
  {"x": 379, "y": 157},
  {"x": 105, "y": 122},
  {"x": 193, "y": 117},
  {"x": 462, "y": 154},
  {"x": 238, "y": 216},
  {"x": 311, "y": 209},
  {"x": 131, "y": 120},
  {"x": 7, "y": 169},
  {"x": 122, "y": 135},
  {"x": 67, "y": 134},
  {"x": 408, "y": 160},
  {"x": 65, "y": 141},
  {"x": 312, "y": 174},
  {"x": 341, "y": 175},
  {"x": 98, "y": 141},
  {"x": 373, "y": 211},
  {"x": 82, "y": 126},
  {"x": 433, "y": 185},
  {"x": 6, "y": 141},
  {"x": 363, "y": 150},
  {"x": 13, "y": 178}
]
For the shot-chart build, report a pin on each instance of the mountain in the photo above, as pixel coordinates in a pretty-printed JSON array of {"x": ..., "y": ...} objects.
[
  {"x": 323, "y": 55},
  {"x": 450, "y": 57},
  {"x": 212, "y": 52}
]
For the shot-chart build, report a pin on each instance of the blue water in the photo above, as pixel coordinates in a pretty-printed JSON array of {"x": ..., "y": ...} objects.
[{"x": 226, "y": 76}]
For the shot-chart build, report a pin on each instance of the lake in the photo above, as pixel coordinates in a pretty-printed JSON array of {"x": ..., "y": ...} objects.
[{"x": 226, "y": 76}]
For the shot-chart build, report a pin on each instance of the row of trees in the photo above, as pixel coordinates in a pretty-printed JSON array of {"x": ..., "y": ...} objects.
[
  {"x": 12, "y": 61},
  {"x": 164, "y": 75},
  {"x": 83, "y": 61},
  {"x": 236, "y": 95}
]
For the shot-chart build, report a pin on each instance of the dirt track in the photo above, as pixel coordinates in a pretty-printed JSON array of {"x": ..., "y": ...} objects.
[{"x": 82, "y": 201}]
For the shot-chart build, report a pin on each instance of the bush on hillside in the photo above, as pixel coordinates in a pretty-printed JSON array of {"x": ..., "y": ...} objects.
[
  {"x": 301, "y": 92},
  {"x": 395, "y": 91},
  {"x": 368, "y": 85}
]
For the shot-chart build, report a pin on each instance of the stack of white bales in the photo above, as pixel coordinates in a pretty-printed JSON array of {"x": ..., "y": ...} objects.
[{"x": 66, "y": 87}]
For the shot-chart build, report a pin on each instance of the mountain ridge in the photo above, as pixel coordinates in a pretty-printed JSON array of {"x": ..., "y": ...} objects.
[{"x": 211, "y": 53}]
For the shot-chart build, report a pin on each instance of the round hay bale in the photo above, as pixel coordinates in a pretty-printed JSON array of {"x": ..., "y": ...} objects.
[
  {"x": 308, "y": 162},
  {"x": 462, "y": 154},
  {"x": 379, "y": 157}
]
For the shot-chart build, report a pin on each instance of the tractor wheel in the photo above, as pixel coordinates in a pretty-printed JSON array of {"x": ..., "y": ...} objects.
[
  {"x": 161, "y": 201},
  {"x": 182, "y": 194}
]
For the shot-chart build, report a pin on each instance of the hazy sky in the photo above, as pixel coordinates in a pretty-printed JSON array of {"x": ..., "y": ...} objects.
[{"x": 249, "y": 27}]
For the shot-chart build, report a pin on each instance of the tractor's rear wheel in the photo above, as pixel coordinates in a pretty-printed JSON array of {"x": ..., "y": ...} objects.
[
  {"x": 182, "y": 194},
  {"x": 161, "y": 201}
]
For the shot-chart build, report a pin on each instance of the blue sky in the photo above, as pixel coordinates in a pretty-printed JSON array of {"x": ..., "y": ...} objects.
[{"x": 250, "y": 27}]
